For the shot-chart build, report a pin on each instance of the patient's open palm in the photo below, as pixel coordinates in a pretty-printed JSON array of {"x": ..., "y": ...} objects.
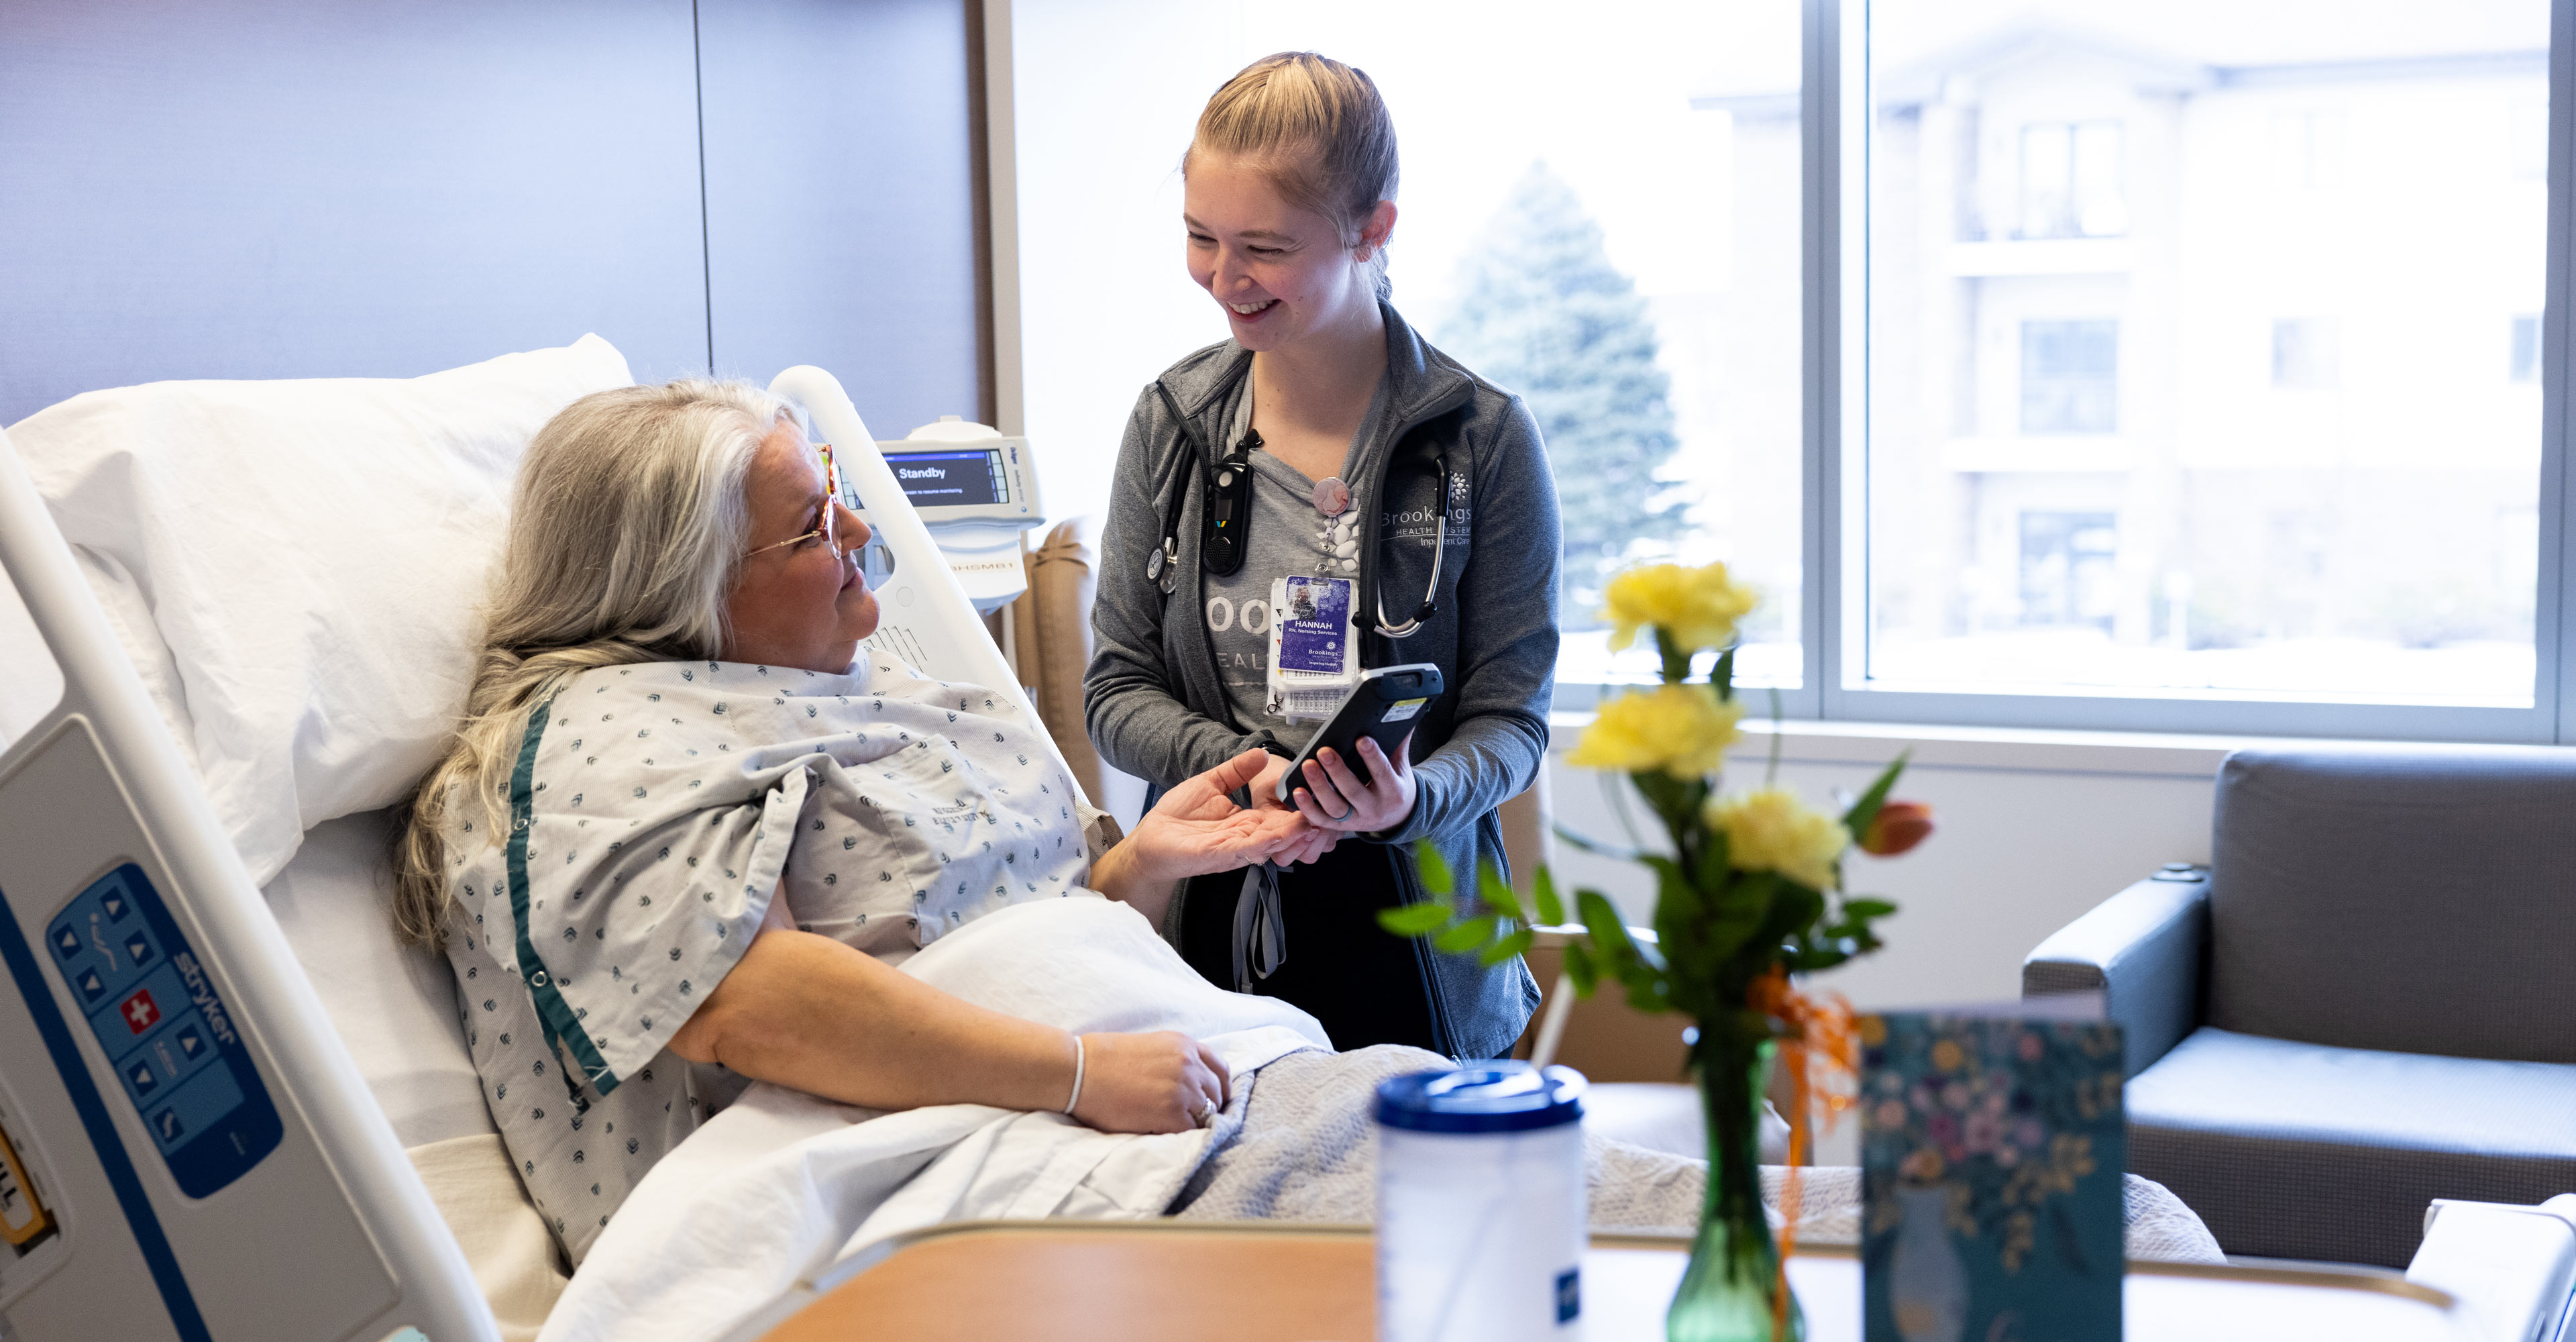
[{"x": 1197, "y": 829}]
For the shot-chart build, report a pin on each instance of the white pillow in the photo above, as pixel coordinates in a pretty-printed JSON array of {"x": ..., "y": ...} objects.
[{"x": 310, "y": 554}]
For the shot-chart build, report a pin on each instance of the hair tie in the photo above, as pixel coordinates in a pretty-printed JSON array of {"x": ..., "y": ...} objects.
[{"x": 1077, "y": 1077}]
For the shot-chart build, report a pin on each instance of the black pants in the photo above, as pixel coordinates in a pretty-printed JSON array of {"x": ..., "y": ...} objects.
[{"x": 1364, "y": 983}]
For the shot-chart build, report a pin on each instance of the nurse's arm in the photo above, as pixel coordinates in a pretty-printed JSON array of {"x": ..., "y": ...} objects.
[{"x": 809, "y": 1012}]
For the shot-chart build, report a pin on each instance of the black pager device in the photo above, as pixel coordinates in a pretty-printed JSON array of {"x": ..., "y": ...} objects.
[{"x": 1386, "y": 705}]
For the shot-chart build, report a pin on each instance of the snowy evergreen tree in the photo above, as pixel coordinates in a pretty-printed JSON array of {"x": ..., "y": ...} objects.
[{"x": 1542, "y": 312}]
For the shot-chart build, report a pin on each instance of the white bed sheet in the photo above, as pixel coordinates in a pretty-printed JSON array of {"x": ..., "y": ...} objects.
[{"x": 394, "y": 1005}]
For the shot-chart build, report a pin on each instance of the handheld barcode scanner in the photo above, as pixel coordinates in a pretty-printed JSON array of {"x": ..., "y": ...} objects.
[{"x": 1385, "y": 707}]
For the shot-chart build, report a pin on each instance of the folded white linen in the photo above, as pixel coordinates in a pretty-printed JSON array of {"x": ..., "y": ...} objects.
[{"x": 780, "y": 1185}]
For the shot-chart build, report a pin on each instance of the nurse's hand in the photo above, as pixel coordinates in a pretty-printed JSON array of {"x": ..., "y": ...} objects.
[
  {"x": 1312, "y": 843},
  {"x": 1334, "y": 797}
]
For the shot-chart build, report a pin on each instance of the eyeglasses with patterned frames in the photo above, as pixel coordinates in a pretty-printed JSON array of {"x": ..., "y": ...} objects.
[{"x": 829, "y": 531}]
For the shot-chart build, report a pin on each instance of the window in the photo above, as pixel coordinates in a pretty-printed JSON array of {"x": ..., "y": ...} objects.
[
  {"x": 2066, "y": 577},
  {"x": 1603, "y": 217},
  {"x": 2070, "y": 376},
  {"x": 2070, "y": 180},
  {"x": 2306, "y": 352},
  {"x": 2057, "y": 363},
  {"x": 2216, "y": 219},
  {"x": 2307, "y": 149}
]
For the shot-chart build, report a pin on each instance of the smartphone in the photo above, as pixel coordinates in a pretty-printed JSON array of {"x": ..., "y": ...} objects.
[{"x": 1384, "y": 706}]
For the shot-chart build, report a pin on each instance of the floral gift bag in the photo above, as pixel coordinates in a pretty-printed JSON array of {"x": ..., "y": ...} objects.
[{"x": 1991, "y": 1151}]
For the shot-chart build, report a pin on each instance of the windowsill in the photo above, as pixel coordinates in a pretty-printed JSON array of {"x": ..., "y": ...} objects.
[{"x": 2021, "y": 749}]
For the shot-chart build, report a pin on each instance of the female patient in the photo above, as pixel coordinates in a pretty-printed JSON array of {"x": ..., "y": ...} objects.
[{"x": 670, "y": 765}]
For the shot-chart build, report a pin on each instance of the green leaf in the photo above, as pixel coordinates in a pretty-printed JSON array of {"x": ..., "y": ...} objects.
[
  {"x": 1676, "y": 898},
  {"x": 1414, "y": 920},
  {"x": 1676, "y": 658},
  {"x": 1676, "y": 800},
  {"x": 1601, "y": 919},
  {"x": 1551, "y": 910},
  {"x": 1794, "y": 911},
  {"x": 1867, "y": 908},
  {"x": 1515, "y": 944},
  {"x": 1433, "y": 868},
  {"x": 1747, "y": 905},
  {"x": 1466, "y": 936},
  {"x": 1578, "y": 967},
  {"x": 1722, "y": 676},
  {"x": 1497, "y": 896},
  {"x": 1866, "y": 809}
]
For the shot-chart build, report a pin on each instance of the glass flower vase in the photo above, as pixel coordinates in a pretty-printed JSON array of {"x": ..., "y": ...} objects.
[{"x": 1733, "y": 1289}]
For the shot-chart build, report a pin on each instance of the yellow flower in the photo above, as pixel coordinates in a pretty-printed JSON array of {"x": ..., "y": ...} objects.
[
  {"x": 1680, "y": 729},
  {"x": 1770, "y": 829},
  {"x": 1698, "y": 607}
]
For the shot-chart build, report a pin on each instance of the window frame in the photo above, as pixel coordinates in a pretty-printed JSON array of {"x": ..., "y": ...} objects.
[{"x": 1838, "y": 112}]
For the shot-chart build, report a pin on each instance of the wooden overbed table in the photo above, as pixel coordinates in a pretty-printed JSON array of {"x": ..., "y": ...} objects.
[{"x": 1173, "y": 1281}]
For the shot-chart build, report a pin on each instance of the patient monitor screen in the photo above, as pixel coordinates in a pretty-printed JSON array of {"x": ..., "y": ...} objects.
[{"x": 950, "y": 479}]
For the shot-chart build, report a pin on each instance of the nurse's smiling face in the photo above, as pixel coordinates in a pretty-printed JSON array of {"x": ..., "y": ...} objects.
[
  {"x": 1279, "y": 272},
  {"x": 800, "y": 604}
]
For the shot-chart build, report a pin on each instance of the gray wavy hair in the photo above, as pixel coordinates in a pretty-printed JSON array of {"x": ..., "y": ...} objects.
[{"x": 627, "y": 530}]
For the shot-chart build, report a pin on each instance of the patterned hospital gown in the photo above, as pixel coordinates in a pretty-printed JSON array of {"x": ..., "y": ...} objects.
[{"x": 654, "y": 809}]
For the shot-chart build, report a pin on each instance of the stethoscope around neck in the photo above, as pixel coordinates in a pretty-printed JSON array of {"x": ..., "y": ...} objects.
[{"x": 1225, "y": 522}]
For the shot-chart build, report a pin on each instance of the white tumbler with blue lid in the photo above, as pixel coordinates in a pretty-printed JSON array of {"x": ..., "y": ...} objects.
[{"x": 1480, "y": 1205}]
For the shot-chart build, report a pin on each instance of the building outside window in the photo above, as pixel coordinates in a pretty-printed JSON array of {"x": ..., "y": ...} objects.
[
  {"x": 2189, "y": 526},
  {"x": 2070, "y": 180},
  {"x": 2070, "y": 376},
  {"x": 2066, "y": 577},
  {"x": 2306, "y": 352}
]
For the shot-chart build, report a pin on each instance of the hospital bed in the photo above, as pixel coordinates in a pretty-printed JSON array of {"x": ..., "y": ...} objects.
[
  {"x": 231, "y": 1104},
  {"x": 207, "y": 1090}
]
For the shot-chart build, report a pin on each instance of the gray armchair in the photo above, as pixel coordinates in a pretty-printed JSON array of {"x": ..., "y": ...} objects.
[{"x": 2368, "y": 1000}]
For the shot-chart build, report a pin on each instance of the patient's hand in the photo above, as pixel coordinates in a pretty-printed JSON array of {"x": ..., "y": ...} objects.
[
  {"x": 1195, "y": 830},
  {"x": 1162, "y": 1082}
]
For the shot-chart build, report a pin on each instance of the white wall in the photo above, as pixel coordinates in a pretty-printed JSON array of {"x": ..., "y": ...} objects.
[{"x": 2034, "y": 828}]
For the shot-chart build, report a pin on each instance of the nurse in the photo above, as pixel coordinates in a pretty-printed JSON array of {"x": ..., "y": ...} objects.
[{"x": 1327, "y": 463}]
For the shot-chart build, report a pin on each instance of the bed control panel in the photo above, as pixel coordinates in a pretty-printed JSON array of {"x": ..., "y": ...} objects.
[{"x": 174, "y": 1046}]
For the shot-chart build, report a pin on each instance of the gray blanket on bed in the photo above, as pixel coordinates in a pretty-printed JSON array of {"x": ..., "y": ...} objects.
[{"x": 1307, "y": 1151}]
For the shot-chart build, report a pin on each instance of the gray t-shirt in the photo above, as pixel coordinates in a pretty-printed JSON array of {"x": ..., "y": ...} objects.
[{"x": 1287, "y": 538}]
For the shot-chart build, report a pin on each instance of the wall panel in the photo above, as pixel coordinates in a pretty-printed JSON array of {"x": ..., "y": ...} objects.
[
  {"x": 298, "y": 188},
  {"x": 841, "y": 219}
]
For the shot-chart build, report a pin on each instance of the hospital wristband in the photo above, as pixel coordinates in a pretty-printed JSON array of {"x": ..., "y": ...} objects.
[{"x": 1077, "y": 1077}]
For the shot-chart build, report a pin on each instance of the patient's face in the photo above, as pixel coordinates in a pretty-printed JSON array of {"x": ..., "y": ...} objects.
[{"x": 801, "y": 605}]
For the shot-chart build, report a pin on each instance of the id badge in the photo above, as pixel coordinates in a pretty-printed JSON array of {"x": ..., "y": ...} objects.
[{"x": 1314, "y": 653}]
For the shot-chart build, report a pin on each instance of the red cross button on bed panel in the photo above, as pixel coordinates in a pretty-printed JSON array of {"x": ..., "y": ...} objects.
[{"x": 140, "y": 1012}]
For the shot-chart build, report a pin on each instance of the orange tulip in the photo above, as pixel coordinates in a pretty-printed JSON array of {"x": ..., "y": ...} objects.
[{"x": 1898, "y": 826}]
